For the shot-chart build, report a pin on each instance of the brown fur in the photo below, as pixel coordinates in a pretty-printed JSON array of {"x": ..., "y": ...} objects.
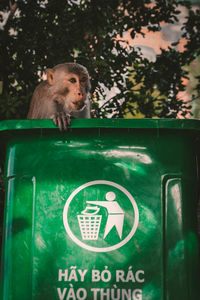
[{"x": 63, "y": 95}]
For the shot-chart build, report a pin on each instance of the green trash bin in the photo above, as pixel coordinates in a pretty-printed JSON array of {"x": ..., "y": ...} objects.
[{"x": 104, "y": 211}]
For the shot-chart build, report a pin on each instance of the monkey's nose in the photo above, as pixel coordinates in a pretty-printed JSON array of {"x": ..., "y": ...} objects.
[{"x": 80, "y": 95}]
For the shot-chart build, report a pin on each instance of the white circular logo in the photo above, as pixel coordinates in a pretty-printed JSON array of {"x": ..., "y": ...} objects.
[{"x": 100, "y": 216}]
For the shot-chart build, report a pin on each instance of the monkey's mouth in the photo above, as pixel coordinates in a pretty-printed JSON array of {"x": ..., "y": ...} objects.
[{"x": 77, "y": 105}]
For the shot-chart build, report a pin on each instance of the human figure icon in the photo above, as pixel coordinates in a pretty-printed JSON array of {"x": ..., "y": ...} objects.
[{"x": 115, "y": 213}]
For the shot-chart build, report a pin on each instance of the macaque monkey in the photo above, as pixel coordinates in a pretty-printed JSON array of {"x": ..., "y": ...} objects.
[{"x": 62, "y": 96}]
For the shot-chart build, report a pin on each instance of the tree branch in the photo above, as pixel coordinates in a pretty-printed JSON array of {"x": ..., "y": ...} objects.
[{"x": 13, "y": 7}]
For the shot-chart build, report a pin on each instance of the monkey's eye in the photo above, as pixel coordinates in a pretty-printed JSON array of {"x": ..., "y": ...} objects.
[
  {"x": 72, "y": 80},
  {"x": 83, "y": 80}
]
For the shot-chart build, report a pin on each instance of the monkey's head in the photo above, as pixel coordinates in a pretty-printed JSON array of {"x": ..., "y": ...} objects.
[{"x": 69, "y": 84}]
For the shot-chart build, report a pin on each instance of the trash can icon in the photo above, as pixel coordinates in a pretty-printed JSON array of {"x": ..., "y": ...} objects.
[{"x": 89, "y": 223}]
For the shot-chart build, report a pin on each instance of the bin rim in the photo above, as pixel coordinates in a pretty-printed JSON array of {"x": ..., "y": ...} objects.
[{"x": 178, "y": 124}]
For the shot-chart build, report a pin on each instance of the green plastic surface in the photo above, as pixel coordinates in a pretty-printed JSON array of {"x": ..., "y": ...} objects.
[
  {"x": 179, "y": 124},
  {"x": 106, "y": 210}
]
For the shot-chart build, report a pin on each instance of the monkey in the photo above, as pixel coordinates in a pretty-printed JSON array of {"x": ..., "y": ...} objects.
[{"x": 64, "y": 95}]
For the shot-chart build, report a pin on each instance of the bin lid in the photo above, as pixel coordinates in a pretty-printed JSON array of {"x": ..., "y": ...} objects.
[{"x": 178, "y": 124}]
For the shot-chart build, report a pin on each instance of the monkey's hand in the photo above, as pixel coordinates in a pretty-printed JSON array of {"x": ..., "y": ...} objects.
[{"x": 61, "y": 120}]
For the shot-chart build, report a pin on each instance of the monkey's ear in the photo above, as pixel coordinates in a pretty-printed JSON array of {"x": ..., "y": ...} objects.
[{"x": 50, "y": 76}]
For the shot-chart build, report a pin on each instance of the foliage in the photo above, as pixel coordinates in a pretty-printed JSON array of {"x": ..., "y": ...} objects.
[
  {"x": 44, "y": 33},
  {"x": 194, "y": 86}
]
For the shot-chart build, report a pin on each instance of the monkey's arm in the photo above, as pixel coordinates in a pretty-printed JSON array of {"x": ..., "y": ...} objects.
[
  {"x": 60, "y": 118},
  {"x": 53, "y": 110},
  {"x": 43, "y": 106}
]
